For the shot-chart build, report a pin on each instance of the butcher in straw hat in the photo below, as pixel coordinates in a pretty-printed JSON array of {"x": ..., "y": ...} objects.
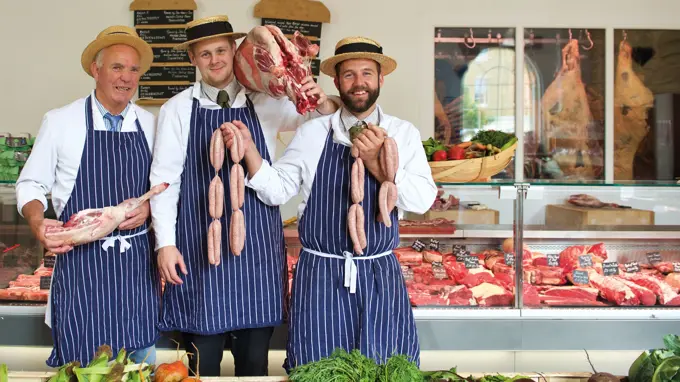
[
  {"x": 94, "y": 153},
  {"x": 371, "y": 312},
  {"x": 224, "y": 298}
]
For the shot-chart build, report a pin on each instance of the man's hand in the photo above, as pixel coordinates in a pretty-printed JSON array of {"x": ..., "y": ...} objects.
[
  {"x": 252, "y": 158},
  {"x": 136, "y": 217},
  {"x": 312, "y": 89},
  {"x": 168, "y": 260},
  {"x": 228, "y": 136},
  {"x": 38, "y": 227},
  {"x": 369, "y": 142}
]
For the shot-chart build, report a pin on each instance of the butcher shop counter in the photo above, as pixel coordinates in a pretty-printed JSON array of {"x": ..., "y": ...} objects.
[{"x": 472, "y": 305}]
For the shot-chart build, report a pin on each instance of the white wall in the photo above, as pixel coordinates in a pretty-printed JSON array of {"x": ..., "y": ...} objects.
[{"x": 43, "y": 41}]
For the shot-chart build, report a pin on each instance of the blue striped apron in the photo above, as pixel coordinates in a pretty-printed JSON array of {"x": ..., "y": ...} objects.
[
  {"x": 105, "y": 296},
  {"x": 244, "y": 291},
  {"x": 342, "y": 301}
]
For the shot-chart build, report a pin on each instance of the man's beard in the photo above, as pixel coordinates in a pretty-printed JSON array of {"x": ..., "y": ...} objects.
[{"x": 360, "y": 106}]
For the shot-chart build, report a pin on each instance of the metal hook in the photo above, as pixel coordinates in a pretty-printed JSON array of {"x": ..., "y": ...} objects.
[
  {"x": 590, "y": 40},
  {"x": 472, "y": 37}
]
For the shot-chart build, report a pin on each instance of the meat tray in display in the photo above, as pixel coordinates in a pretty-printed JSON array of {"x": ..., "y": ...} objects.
[
  {"x": 586, "y": 275},
  {"x": 457, "y": 278}
]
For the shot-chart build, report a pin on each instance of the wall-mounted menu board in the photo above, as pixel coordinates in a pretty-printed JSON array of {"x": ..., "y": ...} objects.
[
  {"x": 304, "y": 16},
  {"x": 162, "y": 24}
]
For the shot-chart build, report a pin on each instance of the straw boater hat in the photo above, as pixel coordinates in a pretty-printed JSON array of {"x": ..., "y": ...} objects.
[
  {"x": 208, "y": 27},
  {"x": 358, "y": 47},
  {"x": 118, "y": 34}
]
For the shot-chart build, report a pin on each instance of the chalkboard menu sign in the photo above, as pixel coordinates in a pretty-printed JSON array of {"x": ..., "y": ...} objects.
[
  {"x": 163, "y": 92},
  {"x": 170, "y": 73},
  {"x": 163, "y": 35},
  {"x": 163, "y": 17},
  {"x": 162, "y": 23},
  {"x": 304, "y": 16},
  {"x": 169, "y": 56},
  {"x": 288, "y": 27}
]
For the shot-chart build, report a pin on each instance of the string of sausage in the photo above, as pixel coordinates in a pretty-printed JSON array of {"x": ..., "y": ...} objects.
[
  {"x": 216, "y": 199},
  {"x": 355, "y": 215},
  {"x": 216, "y": 196},
  {"x": 387, "y": 197},
  {"x": 237, "y": 226}
]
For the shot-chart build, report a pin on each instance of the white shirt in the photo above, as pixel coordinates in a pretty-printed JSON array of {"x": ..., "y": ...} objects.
[
  {"x": 55, "y": 159},
  {"x": 276, "y": 184},
  {"x": 172, "y": 138}
]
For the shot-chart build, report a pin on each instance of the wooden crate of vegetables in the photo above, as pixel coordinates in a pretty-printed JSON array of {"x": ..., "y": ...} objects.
[{"x": 485, "y": 155}]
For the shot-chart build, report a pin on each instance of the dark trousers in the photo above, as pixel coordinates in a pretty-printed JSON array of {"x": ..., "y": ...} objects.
[{"x": 250, "y": 348}]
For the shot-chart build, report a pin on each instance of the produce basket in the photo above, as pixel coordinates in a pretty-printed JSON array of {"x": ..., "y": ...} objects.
[{"x": 471, "y": 170}]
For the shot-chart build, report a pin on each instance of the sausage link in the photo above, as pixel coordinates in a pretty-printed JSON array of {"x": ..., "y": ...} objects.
[
  {"x": 354, "y": 183},
  {"x": 352, "y": 227},
  {"x": 391, "y": 196},
  {"x": 237, "y": 233},
  {"x": 355, "y": 151},
  {"x": 361, "y": 176},
  {"x": 216, "y": 197},
  {"x": 211, "y": 244},
  {"x": 239, "y": 151},
  {"x": 233, "y": 187},
  {"x": 241, "y": 186},
  {"x": 217, "y": 233},
  {"x": 391, "y": 158},
  {"x": 214, "y": 242},
  {"x": 217, "y": 150},
  {"x": 382, "y": 203},
  {"x": 233, "y": 149},
  {"x": 361, "y": 233}
]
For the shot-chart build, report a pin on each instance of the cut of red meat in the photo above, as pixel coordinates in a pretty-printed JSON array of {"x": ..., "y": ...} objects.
[
  {"x": 666, "y": 294},
  {"x": 571, "y": 292},
  {"x": 646, "y": 296},
  {"x": 613, "y": 290}
]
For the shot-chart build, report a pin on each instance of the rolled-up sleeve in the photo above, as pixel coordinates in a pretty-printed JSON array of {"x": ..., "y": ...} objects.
[
  {"x": 38, "y": 175},
  {"x": 415, "y": 186},
  {"x": 167, "y": 166},
  {"x": 276, "y": 184}
]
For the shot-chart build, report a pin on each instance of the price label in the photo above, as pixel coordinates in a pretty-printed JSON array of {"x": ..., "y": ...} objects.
[
  {"x": 471, "y": 262},
  {"x": 632, "y": 267},
  {"x": 439, "y": 271},
  {"x": 654, "y": 257},
  {"x": 458, "y": 249},
  {"x": 553, "y": 259},
  {"x": 585, "y": 261},
  {"x": 610, "y": 268},
  {"x": 434, "y": 245},
  {"x": 461, "y": 256},
  {"x": 418, "y": 245},
  {"x": 45, "y": 282},
  {"x": 49, "y": 261},
  {"x": 580, "y": 277},
  {"x": 510, "y": 259},
  {"x": 676, "y": 267}
]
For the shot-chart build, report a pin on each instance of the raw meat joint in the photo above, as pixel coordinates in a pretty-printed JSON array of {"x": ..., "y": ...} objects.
[
  {"x": 93, "y": 224},
  {"x": 632, "y": 100},
  {"x": 567, "y": 117},
  {"x": 267, "y": 62}
]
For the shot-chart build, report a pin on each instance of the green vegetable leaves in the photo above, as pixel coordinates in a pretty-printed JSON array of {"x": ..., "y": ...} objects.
[
  {"x": 658, "y": 365},
  {"x": 431, "y": 145},
  {"x": 494, "y": 138}
]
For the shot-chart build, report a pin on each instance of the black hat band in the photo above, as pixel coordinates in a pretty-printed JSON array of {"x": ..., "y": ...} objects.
[
  {"x": 209, "y": 29},
  {"x": 361, "y": 47}
]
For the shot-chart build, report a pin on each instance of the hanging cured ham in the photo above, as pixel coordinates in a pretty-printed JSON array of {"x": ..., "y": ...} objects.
[
  {"x": 566, "y": 117},
  {"x": 632, "y": 101}
]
